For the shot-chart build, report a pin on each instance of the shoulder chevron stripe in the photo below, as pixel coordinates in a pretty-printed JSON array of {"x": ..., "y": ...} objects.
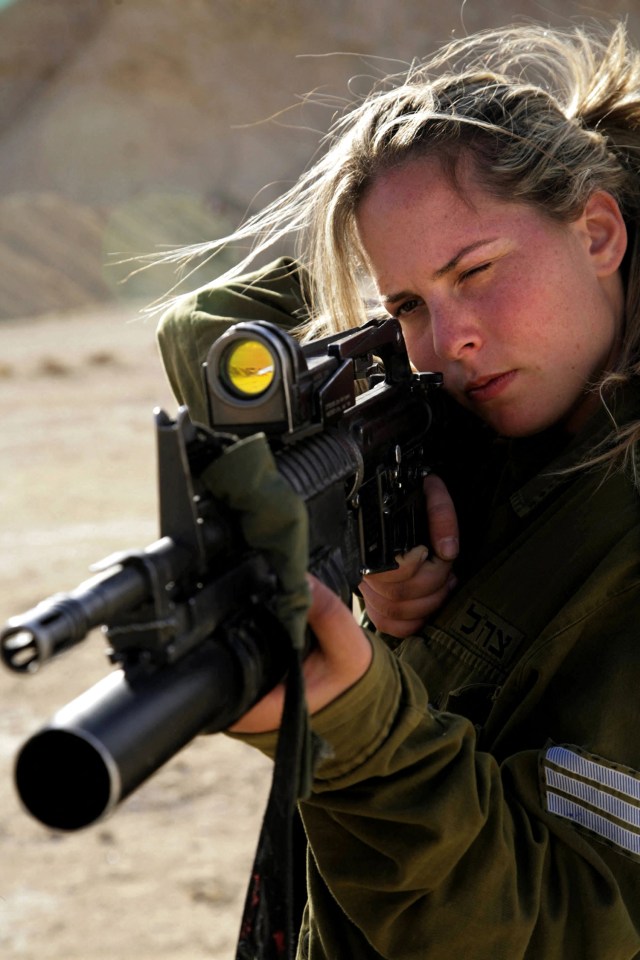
[{"x": 595, "y": 795}]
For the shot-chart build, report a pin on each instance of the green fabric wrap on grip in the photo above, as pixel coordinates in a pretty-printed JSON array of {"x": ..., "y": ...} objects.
[{"x": 273, "y": 520}]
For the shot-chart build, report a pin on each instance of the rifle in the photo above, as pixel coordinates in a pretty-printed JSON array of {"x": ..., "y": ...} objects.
[{"x": 190, "y": 618}]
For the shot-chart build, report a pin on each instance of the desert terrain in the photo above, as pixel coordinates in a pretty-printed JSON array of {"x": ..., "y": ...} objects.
[{"x": 165, "y": 875}]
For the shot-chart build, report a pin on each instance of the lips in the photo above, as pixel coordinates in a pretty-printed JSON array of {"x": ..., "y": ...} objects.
[{"x": 488, "y": 388}]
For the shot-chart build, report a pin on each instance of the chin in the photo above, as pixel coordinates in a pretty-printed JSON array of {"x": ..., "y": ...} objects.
[{"x": 514, "y": 428}]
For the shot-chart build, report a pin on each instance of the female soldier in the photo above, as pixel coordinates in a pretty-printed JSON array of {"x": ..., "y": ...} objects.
[{"x": 481, "y": 791}]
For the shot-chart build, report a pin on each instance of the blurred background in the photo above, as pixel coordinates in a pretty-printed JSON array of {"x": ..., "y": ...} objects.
[
  {"x": 132, "y": 126},
  {"x": 127, "y": 128}
]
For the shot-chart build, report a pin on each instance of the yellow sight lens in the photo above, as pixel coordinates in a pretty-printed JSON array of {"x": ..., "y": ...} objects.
[{"x": 249, "y": 368}]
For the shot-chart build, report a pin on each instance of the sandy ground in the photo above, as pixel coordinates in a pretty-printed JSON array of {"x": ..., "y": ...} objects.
[{"x": 165, "y": 875}]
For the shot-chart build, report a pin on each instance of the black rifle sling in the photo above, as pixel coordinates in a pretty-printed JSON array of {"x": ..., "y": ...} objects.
[{"x": 271, "y": 918}]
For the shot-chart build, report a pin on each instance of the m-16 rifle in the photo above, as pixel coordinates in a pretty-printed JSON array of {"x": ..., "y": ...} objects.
[{"x": 189, "y": 619}]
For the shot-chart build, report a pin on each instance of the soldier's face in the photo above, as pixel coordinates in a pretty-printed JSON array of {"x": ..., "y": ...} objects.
[{"x": 518, "y": 311}]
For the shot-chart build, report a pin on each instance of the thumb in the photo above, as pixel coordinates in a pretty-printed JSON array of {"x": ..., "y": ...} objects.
[{"x": 442, "y": 518}]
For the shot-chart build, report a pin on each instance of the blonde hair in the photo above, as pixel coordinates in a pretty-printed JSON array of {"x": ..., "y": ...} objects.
[{"x": 547, "y": 117}]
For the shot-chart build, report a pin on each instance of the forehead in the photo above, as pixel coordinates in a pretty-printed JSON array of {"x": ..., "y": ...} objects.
[
  {"x": 427, "y": 184},
  {"x": 420, "y": 210}
]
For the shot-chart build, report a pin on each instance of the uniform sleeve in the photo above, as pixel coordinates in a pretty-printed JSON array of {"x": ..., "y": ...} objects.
[
  {"x": 186, "y": 331},
  {"x": 424, "y": 846}
]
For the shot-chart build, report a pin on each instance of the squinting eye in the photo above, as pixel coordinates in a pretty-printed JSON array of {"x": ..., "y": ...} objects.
[{"x": 475, "y": 270}]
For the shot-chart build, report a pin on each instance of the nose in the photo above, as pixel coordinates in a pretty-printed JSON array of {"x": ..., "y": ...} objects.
[{"x": 455, "y": 330}]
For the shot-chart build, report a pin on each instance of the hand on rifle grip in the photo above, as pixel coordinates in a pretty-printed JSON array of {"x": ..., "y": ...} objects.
[{"x": 398, "y": 602}]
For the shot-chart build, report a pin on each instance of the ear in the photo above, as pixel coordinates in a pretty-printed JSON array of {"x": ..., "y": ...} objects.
[{"x": 605, "y": 232}]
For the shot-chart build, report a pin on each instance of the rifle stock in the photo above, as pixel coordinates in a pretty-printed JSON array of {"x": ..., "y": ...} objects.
[{"x": 190, "y": 618}]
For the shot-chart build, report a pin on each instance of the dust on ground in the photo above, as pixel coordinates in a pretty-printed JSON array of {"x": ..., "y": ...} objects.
[{"x": 166, "y": 874}]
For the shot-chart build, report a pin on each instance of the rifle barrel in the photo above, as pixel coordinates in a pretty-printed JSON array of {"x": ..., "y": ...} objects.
[{"x": 31, "y": 639}]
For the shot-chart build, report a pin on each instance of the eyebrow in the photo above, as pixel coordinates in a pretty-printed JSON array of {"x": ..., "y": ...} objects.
[{"x": 442, "y": 271}]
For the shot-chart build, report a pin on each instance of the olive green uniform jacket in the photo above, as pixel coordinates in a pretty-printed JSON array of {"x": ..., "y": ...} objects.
[{"x": 481, "y": 794}]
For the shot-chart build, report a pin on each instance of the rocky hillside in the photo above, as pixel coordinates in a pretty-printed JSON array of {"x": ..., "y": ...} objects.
[{"x": 130, "y": 126}]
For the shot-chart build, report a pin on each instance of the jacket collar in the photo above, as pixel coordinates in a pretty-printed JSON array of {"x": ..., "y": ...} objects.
[{"x": 568, "y": 454}]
